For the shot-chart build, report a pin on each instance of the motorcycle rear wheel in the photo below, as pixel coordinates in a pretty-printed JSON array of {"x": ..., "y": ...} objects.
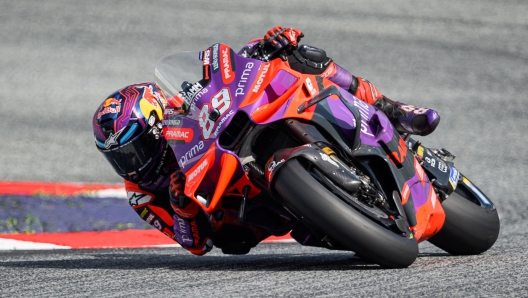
[
  {"x": 471, "y": 226},
  {"x": 307, "y": 197}
]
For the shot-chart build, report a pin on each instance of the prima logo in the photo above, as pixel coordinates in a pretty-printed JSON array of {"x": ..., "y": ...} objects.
[
  {"x": 364, "y": 111},
  {"x": 188, "y": 156},
  {"x": 243, "y": 79}
]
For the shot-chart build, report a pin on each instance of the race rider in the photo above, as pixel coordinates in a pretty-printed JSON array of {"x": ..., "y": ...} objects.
[
  {"x": 127, "y": 128},
  {"x": 128, "y": 132},
  {"x": 305, "y": 59}
]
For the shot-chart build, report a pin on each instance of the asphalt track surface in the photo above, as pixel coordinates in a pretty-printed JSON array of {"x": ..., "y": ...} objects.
[{"x": 466, "y": 59}]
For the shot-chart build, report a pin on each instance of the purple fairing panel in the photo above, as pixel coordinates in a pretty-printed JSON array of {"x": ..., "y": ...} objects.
[
  {"x": 375, "y": 126},
  {"x": 226, "y": 98},
  {"x": 419, "y": 191},
  {"x": 277, "y": 87}
]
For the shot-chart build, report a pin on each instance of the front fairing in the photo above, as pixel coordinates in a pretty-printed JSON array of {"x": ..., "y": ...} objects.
[{"x": 219, "y": 82}]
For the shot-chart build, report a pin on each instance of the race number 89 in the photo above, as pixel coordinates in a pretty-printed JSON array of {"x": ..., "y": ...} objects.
[{"x": 221, "y": 101}]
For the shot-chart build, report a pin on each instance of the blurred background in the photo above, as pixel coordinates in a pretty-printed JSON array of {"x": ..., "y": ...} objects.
[{"x": 467, "y": 59}]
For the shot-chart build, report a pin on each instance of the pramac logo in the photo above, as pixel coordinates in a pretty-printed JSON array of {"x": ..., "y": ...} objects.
[
  {"x": 178, "y": 134},
  {"x": 227, "y": 64}
]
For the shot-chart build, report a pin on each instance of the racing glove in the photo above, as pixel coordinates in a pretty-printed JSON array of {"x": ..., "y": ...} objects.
[
  {"x": 280, "y": 37},
  {"x": 192, "y": 229}
]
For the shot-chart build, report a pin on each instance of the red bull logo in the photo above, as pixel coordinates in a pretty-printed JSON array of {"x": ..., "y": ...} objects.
[
  {"x": 150, "y": 96},
  {"x": 110, "y": 106}
]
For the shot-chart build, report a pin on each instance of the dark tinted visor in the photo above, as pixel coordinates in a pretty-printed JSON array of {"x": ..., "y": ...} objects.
[{"x": 134, "y": 155}]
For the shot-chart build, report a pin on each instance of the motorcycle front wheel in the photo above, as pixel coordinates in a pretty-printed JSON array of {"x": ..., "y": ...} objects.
[
  {"x": 315, "y": 204},
  {"x": 472, "y": 223}
]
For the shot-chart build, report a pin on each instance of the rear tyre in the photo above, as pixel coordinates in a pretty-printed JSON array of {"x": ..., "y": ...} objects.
[
  {"x": 470, "y": 227},
  {"x": 315, "y": 204}
]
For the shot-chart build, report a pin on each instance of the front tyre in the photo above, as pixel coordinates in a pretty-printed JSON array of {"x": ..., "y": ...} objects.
[
  {"x": 472, "y": 223},
  {"x": 306, "y": 197}
]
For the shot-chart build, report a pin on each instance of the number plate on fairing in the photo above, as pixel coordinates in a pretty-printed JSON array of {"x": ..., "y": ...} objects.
[{"x": 445, "y": 176}]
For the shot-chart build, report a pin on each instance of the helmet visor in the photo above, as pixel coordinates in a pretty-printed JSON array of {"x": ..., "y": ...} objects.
[{"x": 133, "y": 156}]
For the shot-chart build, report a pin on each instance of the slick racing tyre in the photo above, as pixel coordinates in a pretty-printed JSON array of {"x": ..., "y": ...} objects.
[
  {"x": 472, "y": 223},
  {"x": 316, "y": 206}
]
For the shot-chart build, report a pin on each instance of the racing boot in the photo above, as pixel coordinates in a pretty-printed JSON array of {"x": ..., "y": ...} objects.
[{"x": 407, "y": 118}]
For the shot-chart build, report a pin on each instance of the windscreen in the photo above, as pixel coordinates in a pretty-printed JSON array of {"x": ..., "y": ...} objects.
[{"x": 175, "y": 69}]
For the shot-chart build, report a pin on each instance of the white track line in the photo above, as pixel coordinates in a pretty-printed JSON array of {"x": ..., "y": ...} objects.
[{"x": 10, "y": 244}]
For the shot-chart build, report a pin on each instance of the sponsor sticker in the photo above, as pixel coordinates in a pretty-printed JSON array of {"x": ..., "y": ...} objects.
[
  {"x": 221, "y": 102},
  {"x": 330, "y": 71},
  {"x": 150, "y": 96},
  {"x": 137, "y": 198},
  {"x": 309, "y": 86},
  {"x": 177, "y": 121},
  {"x": 328, "y": 159},
  {"x": 194, "y": 151},
  {"x": 216, "y": 55},
  {"x": 176, "y": 134},
  {"x": 240, "y": 91},
  {"x": 206, "y": 58},
  {"x": 228, "y": 73},
  {"x": 191, "y": 92},
  {"x": 363, "y": 108},
  {"x": 274, "y": 164},
  {"x": 453, "y": 177},
  {"x": 265, "y": 68},
  {"x": 222, "y": 121},
  {"x": 112, "y": 139},
  {"x": 110, "y": 106},
  {"x": 198, "y": 169}
]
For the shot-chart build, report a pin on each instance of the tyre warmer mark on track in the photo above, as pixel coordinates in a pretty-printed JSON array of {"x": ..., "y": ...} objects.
[{"x": 89, "y": 239}]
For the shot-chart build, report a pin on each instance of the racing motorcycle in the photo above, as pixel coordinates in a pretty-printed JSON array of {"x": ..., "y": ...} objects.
[{"x": 259, "y": 133}]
